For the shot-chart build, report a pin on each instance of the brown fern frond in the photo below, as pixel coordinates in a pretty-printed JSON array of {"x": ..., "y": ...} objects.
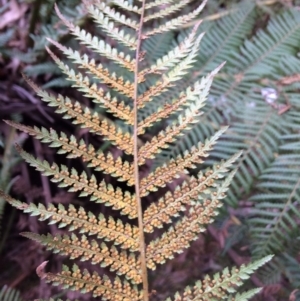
[
  {"x": 178, "y": 238},
  {"x": 176, "y": 22},
  {"x": 97, "y": 45},
  {"x": 100, "y": 193},
  {"x": 187, "y": 194},
  {"x": 161, "y": 140},
  {"x": 98, "y": 160},
  {"x": 80, "y": 247},
  {"x": 84, "y": 117},
  {"x": 194, "y": 204},
  {"x": 110, "y": 28},
  {"x": 122, "y": 234},
  {"x": 101, "y": 73},
  {"x": 168, "y": 172},
  {"x": 85, "y": 282}
]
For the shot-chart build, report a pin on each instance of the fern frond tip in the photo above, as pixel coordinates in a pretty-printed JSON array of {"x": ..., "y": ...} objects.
[{"x": 216, "y": 70}]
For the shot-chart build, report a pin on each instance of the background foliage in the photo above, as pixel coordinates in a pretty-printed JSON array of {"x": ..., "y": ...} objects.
[{"x": 257, "y": 94}]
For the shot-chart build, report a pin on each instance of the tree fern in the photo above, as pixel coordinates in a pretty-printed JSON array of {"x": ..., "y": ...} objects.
[{"x": 199, "y": 197}]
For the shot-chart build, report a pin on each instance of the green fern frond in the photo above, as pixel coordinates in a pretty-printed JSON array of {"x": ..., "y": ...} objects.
[
  {"x": 157, "y": 3},
  {"x": 246, "y": 295},
  {"x": 167, "y": 11},
  {"x": 173, "y": 56},
  {"x": 276, "y": 203},
  {"x": 9, "y": 294},
  {"x": 176, "y": 22},
  {"x": 258, "y": 132},
  {"x": 258, "y": 57},
  {"x": 167, "y": 81},
  {"x": 127, "y": 6},
  {"x": 224, "y": 37},
  {"x": 116, "y": 16},
  {"x": 5, "y": 37},
  {"x": 222, "y": 285},
  {"x": 281, "y": 265}
]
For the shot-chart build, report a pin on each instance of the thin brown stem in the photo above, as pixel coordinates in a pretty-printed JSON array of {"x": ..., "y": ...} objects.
[{"x": 136, "y": 166}]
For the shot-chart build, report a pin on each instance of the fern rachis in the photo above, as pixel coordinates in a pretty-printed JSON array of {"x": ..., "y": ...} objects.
[{"x": 199, "y": 197}]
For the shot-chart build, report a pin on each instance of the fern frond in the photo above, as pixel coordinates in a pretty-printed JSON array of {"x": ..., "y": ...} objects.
[
  {"x": 173, "y": 56},
  {"x": 99, "y": 286},
  {"x": 274, "y": 217},
  {"x": 83, "y": 117},
  {"x": 192, "y": 190},
  {"x": 100, "y": 193},
  {"x": 258, "y": 58},
  {"x": 196, "y": 94},
  {"x": 245, "y": 296},
  {"x": 92, "y": 91},
  {"x": 80, "y": 247},
  {"x": 9, "y": 294},
  {"x": 111, "y": 29},
  {"x": 127, "y": 6},
  {"x": 167, "y": 11},
  {"x": 172, "y": 76},
  {"x": 221, "y": 286},
  {"x": 5, "y": 37},
  {"x": 258, "y": 132},
  {"x": 116, "y": 16},
  {"x": 157, "y": 3},
  {"x": 176, "y": 22},
  {"x": 177, "y": 238},
  {"x": 98, "y": 160},
  {"x": 224, "y": 37},
  {"x": 97, "y": 45},
  {"x": 163, "y": 77},
  {"x": 167, "y": 173},
  {"x": 122, "y": 234},
  {"x": 283, "y": 264},
  {"x": 166, "y": 136}
]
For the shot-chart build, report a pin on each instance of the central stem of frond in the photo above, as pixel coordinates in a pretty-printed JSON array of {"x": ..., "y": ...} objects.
[{"x": 136, "y": 165}]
